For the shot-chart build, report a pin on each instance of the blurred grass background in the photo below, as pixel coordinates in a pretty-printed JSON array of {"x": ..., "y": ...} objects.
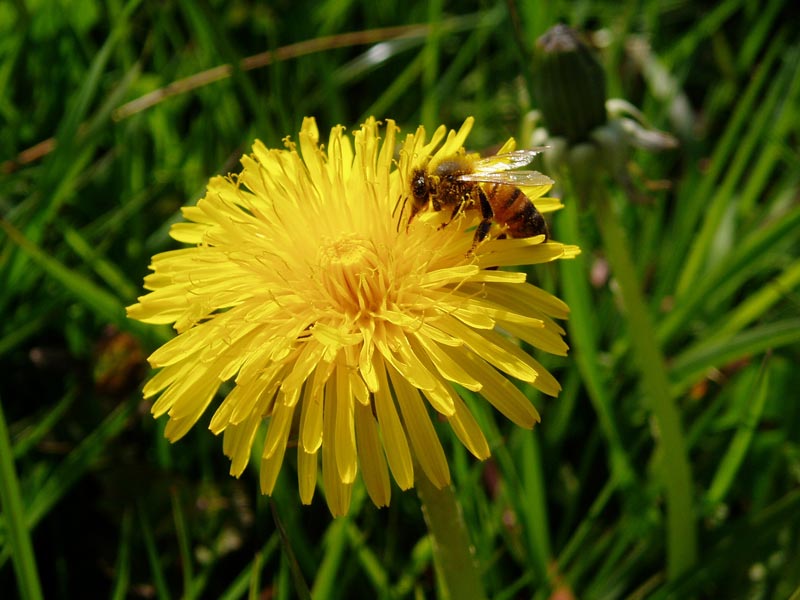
[{"x": 102, "y": 139}]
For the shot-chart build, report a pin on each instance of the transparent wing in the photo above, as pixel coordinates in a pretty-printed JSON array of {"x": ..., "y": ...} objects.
[
  {"x": 515, "y": 178},
  {"x": 507, "y": 161}
]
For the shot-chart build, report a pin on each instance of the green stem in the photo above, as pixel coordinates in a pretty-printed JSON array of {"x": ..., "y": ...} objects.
[
  {"x": 453, "y": 554},
  {"x": 674, "y": 465},
  {"x": 16, "y": 522},
  {"x": 582, "y": 327}
]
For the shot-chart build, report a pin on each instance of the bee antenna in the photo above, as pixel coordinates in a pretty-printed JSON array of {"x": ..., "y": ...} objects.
[{"x": 404, "y": 198}]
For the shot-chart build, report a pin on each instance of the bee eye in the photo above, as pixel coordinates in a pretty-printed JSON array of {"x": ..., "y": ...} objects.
[{"x": 419, "y": 186}]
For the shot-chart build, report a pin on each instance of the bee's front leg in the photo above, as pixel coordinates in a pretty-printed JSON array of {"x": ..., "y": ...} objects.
[{"x": 457, "y": 210}]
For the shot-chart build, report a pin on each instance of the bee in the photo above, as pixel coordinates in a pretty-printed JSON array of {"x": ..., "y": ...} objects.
[{"x": 462, "y": 182}]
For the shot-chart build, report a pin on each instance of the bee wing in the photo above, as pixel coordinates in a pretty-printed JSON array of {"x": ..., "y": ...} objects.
[
  {"x": 515, "y": 178},
  {"x": 507, "y": 161}
]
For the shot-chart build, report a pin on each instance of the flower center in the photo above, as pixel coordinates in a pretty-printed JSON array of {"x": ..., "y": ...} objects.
[
  {"x": 346, "y": 251},
  {"x": 353, "y": 274}
]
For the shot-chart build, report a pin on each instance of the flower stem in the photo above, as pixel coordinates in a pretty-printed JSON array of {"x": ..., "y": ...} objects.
[
  {"x": 453, "y": 554},
  {"x": 674, "y": 464}
]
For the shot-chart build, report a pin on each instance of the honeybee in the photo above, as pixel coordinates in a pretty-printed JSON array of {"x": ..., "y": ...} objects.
[{"x": 463, "y": 182}]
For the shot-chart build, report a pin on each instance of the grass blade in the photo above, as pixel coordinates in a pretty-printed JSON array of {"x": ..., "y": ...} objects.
[
  {"x": 732, "y": 460},
  {"x": 17, "y": 525},
  {"x": 692, "y": 364}
]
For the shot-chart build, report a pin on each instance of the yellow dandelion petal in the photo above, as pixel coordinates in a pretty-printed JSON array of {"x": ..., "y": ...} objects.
[
  {"x": 359, "y": 389},
  {"x": 394, "y": 438},
  {"x": 185, "y": 396},
  {"x": 539, "y": 337},
  {"x": 188, "y": 233},
  {"x": 401, "y": 359},
  {"x": 365, "y": 363},
  {"x": 544, "y": 204},
  {"x": 448, "y": 368},
  {"x": 237, "y": 443},
  {"x": 155, "y": 313},
  {"x": 271, "y": 467},
  {"x": 306, "y": 474},
  {"x": 182, "y": 347},
  {"x": 492, "y": 348},
  {"x": 335, "y": 317},
  {"x": 337, "y": 492},
  {"x": 275, "y": 446},
  {"x": 312, "y": 155},
  {"x": 333, "y": 336},
  {"x": 311, "y": 415},
  {"x": 439, "y": 395},
  {"x": 457, "y": 274},
  {"x": 192, "y": 407},
  {"x": 257, "y": 394},
  {"x": 423, "y": 438},
  {"x": 279, "y": 424},
  {"x": 177, "y": 428},
  {"x": 525, "y": 251},
  {"x": 373, "y": 462},
  {"x": 501, "y": 393},
  {"x": 474, "y": 316},
  {"x": 467, "y": 429},
  {"x": 497, "y": 277},
  {"x": 222, "y": 416},
  {"x": 545, "y": 382},
  {"x": 472, "y": 307},
  {"x": 345, "y": 437},
  {"x": 509, "y": 146},
  {"x": 191, "y": 394},
  {"x": 520, "y": 298},
  {"x": 163, "y": 379},
  {"x": 455, "y": 140},
  {"x": 307, "y": 359}
]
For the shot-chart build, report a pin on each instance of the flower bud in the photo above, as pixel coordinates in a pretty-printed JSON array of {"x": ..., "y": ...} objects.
[{"x": 569, "y": 85}]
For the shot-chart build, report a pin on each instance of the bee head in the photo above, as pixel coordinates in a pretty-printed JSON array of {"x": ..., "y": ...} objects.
[
  {"x": 420, "y": 188},
  {"x": 420, "y": 185}
]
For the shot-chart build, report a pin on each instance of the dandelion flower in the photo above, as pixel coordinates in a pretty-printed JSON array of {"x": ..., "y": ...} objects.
[{"x": 339, "y": 329}]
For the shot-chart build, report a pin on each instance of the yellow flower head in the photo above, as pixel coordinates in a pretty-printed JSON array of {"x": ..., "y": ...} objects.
[{"x": 335, "y": 324}]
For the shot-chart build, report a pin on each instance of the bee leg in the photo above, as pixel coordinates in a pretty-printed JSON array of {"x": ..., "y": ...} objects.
[
  {"x": 482, "y": 230},
  {"x": 457, "y": 210},
  {"x": 413, "y": 213},
  {"x": 486, "y": 209}
]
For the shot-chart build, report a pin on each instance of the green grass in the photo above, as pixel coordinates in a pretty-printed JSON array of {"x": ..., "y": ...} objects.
[{"x": 96, "y": 503}]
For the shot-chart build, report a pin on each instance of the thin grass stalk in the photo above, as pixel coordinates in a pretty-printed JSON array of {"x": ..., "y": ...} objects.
[
  {"x": 674, "y": 465},
  {"x": 583, "y": 332},
  {"x": 19, "y": 537},
  {"x": 182, "y": 534}
]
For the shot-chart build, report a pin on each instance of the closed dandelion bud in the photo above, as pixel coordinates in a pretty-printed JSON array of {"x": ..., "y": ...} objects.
[{"x": 569, "y": 85}]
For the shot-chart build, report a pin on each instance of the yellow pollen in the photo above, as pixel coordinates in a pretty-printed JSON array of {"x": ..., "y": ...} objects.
[
  {"x": 345, "y": 251},
  {"x": 348, "y": 268}
]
